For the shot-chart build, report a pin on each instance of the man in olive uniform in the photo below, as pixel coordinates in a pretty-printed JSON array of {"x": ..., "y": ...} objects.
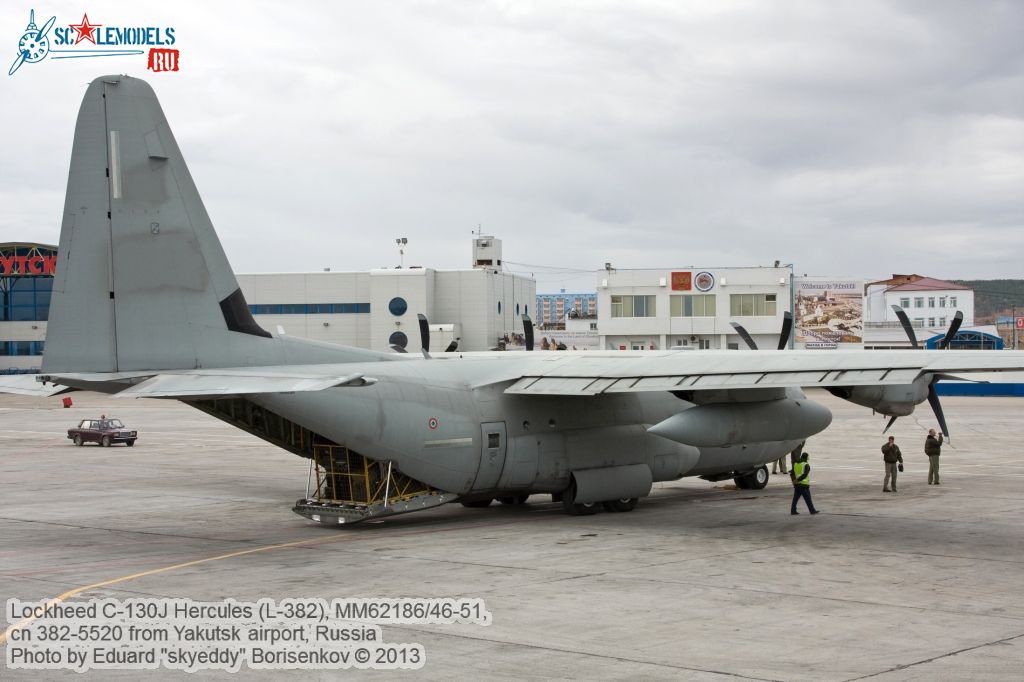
[
  {"x": 800, "y": 474},
  {"x": 892, "y": 456},
  {"x": 932, "y": 448}
]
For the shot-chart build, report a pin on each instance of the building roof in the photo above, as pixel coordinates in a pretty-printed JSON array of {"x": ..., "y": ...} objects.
[{"x": 928, "y": 284}]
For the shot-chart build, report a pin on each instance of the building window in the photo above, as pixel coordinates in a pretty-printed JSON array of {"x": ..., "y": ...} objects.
[
  {"x": 952, "y": 301},
  {"x": 704, "y": 344},
  {"x": 931, "y": 301},
  {"x": 942, "y": 301},
  {"x": 398, "y": 339},
  {"x": 942, "y": 322},
  {"x": 692, "y": 306},
  {"x": 931, "y": 321},
  {"x": 905, "y": 302},
  {"x": 919, "y": 301},
  {"x": 752, "y": 305},
  {"x": 918, "y": 321},
  {"x": 633, "y": 306},
  {"x": 398, "y": 306},
  {"x": 593, "y": 326}
]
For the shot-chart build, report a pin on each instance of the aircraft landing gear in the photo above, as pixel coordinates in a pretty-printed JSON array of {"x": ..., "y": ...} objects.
[
  {"x": 514, "y": 499},
  {"x": 478, "y": 504},
  {"x": 624, "y": 505},
  {"x": 754, "y": 480}
]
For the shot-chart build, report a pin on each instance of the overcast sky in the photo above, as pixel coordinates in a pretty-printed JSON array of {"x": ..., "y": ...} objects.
[{"x": 848, "y": 138}]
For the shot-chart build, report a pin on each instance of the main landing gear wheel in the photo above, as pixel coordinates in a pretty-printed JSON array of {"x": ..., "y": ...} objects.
[
  {"x": 578, "y": 509},
  {"x": 624, "y": 505},
  {"x": 478, "y": 504},
  {"x": 514, "y": 499},
  {"x": 755, "y": 480}
]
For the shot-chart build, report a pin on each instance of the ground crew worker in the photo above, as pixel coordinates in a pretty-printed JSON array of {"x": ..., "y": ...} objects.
[
  {"x": 891, "y": 455},
  {"x": 780, "y": 462},
  {"x": 800, "y": 474},
  {"x": 932, "y": 448}
]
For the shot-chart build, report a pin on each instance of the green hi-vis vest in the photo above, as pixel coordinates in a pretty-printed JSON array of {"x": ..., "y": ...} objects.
[{"x": 798, "y": 471}]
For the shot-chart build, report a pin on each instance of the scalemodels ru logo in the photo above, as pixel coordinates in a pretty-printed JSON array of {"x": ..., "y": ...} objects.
[{"x": 37, "y": 43}]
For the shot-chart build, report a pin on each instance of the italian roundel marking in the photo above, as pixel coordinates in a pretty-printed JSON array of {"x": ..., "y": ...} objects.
[
  {"x": 432, "y": 423},
  {"x": 704, "y": 281}
]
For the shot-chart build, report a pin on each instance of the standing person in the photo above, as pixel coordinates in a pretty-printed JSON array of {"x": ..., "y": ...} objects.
[
  {"x": 800, "y": 474},
  {"x": 932, "y": 448},
  {"x": 891, "y": 455},
  {"x": 780, "y": 463}
]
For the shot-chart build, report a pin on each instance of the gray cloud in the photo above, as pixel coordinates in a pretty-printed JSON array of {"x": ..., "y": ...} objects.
[{"x": 848, "y": 138}]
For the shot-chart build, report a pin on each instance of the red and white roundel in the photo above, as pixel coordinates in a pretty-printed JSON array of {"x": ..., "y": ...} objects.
[
  {"x": 432, "y": 423},
  {"x": 704, "y": 281}
]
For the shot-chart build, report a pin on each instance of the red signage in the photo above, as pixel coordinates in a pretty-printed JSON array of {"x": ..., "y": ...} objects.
[
  {"x": 681, "y": 281},
  {"x": 1020, "y": 323},
  {"x": 28, "y": 265}
]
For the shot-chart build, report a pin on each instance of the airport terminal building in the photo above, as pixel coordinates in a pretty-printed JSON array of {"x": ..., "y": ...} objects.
[
  {"x": 691, "y": 307},
  {"x": 479, "y": 307}
]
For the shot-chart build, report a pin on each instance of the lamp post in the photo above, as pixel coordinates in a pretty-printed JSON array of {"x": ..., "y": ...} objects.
[{"x": 401, "y": 242}]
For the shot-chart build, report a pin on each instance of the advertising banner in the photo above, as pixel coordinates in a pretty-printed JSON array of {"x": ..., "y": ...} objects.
[{"x": 829, "y": 312}]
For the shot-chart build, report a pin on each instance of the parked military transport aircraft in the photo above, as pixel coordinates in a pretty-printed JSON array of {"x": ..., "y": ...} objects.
[{"x": 145, "y": 305}]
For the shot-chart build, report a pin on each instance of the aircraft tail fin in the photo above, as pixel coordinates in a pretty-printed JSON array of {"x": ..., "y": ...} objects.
[{"x": 142, "y": 281}]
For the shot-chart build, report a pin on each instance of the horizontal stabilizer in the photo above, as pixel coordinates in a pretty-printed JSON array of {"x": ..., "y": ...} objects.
[
  {"x": 27, "y": 384},
  {"x": 235, "y": 382}
]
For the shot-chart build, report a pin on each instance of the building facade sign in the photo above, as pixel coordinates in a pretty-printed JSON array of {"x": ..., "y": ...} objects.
[
  {"x": 682, "y": 281},
  {"x": 704, "y": 281}
]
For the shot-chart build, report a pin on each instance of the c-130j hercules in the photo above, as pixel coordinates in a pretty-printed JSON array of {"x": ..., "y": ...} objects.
[{"x": 145, "y": 304}]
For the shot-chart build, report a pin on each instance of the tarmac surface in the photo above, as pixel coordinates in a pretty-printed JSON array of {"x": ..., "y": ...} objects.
[{"x": 701, "y": 581}]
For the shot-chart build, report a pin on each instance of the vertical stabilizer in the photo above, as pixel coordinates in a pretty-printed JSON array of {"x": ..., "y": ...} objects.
[{"x": 142, "y": 281}]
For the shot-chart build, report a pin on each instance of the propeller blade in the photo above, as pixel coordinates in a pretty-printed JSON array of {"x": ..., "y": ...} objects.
[
  {"x": 933, "y": 400},
  {"x": 905, "y": 321},
  {"x": 787, "y": 329},
  {"x": 528, "y": 332},
  {"x": 46, "y": 28},
  {"x": 18, "y": 62},
  {"x": 744, "y": 335},
  {"x": 424, "y": 334},
  {"x": 954, "y": 327},
  {"x": 451, "y": 347},
  {"x": 892, "y": 420}
]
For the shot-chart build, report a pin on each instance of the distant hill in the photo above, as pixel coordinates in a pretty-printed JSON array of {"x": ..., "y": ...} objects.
[{"x": 994, "y": 297}]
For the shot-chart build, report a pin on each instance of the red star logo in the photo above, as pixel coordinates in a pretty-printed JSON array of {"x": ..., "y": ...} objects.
[{"x": 86, "y": 31}]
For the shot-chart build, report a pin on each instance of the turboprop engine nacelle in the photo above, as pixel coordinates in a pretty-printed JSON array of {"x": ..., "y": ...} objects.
[
  {"x": 894, "y": 401},
  {"x": 724, "y": 424}
]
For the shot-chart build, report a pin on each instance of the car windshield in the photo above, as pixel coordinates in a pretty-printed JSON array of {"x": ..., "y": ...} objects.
[{"x": 112, "y": 424}]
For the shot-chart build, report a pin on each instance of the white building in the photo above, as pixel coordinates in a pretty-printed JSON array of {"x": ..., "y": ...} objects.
[
  {"x": 478, "y": 306},
  {"x": 657, "y": 309},
  {"x": 929, "y": 303}
]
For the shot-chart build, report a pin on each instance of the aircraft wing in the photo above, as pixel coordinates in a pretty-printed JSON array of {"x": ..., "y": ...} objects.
[{"x": 583, "y": 375}]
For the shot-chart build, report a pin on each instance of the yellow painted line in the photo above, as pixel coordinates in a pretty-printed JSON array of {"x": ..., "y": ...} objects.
[{"x": 114, "y": 581}]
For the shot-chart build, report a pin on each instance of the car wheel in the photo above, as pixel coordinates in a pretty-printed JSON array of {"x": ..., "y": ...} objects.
[
  {"x": 129, "y": 443},
  {"x": 105, "y": 442},
  {"x": 78, "y": 440}
]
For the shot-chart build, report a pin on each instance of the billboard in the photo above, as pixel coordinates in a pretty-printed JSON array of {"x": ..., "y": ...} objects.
[{"x": 828, "y": 312}]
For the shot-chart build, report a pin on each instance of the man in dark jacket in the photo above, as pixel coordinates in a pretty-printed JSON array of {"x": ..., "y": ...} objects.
[
  {"x": 892, "y": 457},
  {"x": 932, "y": 448}
]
